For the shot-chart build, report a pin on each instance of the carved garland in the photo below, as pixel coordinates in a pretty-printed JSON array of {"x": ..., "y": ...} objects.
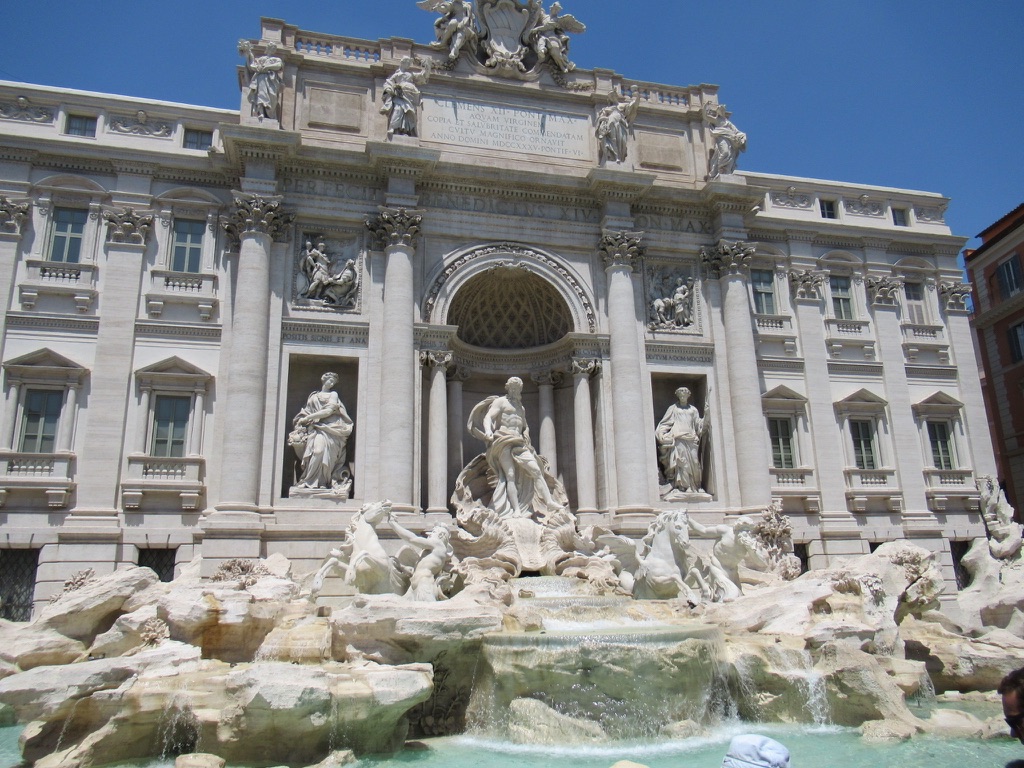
[{"x": 516, "y": 252}]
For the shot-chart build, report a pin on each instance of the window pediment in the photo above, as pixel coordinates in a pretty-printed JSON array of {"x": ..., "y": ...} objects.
[
  {"x": 938, "y": 404},
  {"x": 44, "y": 366},
  {"x": 173, "y": 374},
  {"x": 783, "y": 399},
  {"x": 861, "y": 402}
]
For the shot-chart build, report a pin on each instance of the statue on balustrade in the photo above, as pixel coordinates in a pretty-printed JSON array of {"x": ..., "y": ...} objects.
[
  {"x": 265, "y": 75},
  {"x": 680, "y": 435},
  {"x": 729, "y": 141},
  {"x": 456, "y": 28},
  {"x": 402, "y": 97},
  {"x": 510, "y": 477},
  {"x": 613, "y": 124},
  {"x": 320, "y": 439}
]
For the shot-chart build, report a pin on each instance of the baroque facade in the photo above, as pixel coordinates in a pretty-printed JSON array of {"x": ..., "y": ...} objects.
[{"x": 425, "y": 221}]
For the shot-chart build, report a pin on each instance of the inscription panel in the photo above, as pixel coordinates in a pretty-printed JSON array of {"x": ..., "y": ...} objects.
[{"x": 473, "y": 124}]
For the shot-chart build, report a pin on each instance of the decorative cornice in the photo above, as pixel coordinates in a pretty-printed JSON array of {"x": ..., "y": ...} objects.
[
  {"x": 35, "y": 321},
  {"x": 128, "y": 226},
  {"x": 257, "y": 214},
  {"x": 155, "y": 329},
  {"x": 948, "y": 373},
  {"x": 13, "y": 216},
  {"x": 394, "y": 227},
  {"x": 671, "y": 353},
  {"x": 549, "y": 378},
  {"x": 621, "y": 249},
  {"x": 331, "y": 334},
  {"x": 133, "y": 167},
  {"x": 727, "y": 258}
]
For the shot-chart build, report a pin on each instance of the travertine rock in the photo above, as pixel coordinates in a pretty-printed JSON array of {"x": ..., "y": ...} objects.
[
  {"x": 26, "y": 646},
  {"x": 533, "y": 722},
  {"x": 959, "y": 663},
  {"x": 199, "y": 760},
  {"x": 337, "y": 759}
]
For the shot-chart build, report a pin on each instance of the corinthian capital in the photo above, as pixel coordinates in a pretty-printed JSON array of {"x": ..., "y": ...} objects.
[
  {"x": 255, "y": 213},
  {"x": 584, "y": 367},
  {"x": 436, "y": 359},
  {"x": 955, "y": 295},
  {"x": 128, "y": 226},
  {"x": 395, "y": 227},
  {"x": 621, "y": 249},
  {"x": 12, "y": 216},
  {"x": 727, "y": 258}
]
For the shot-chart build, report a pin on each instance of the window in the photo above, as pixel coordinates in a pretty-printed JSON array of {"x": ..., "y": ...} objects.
[
  {"x": 899, "y": 217},
  {"x": 39, "y": 422},
  {"x": 66, "y": 236},
  {"x": 17, "y": 583},
  {"x": 170, "y": 426},
  {"x": 1011, "y": 281},
  {"x": 187, "y": 255},
  {"x": 80, "y": 125},
  {"x": 1016, "y": 334},
  {"x": 161, "y": 561},
  {"x": 864, "y": 453},
  {"x": 942, "y": 444},
  {"x": 842, "y": 300},
  {"x": 763, "y": 282},
  {"x": 828, "y": 209},
  {"x": 196, "y": 139},
  {"x": 780, "y": 431},
  {"x": 915, "y": 306}
]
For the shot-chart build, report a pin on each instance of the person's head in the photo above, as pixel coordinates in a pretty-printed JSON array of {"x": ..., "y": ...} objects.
[
  {"x": 514, "y": 386},
  {"x": 683, "y": 395},
  {"x": 271, "y": 49},
  {"x": 1011, "y": 688},
  {"x": 405, "y": 63},
  {"x": 440, "y": 533},
  {"x": 753, "y": 751},
  {"x": 329, "y": 379}
]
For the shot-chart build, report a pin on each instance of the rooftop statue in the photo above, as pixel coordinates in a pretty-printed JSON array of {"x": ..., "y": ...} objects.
[
  {"x": 456, "y": 28},
  {"x": 549, "y": 37},
  {"x": 265, "y": 74},
  {"x": 613, "y": 123},
  {"x": 729, "y": 140},
  {"x": 402, "y": 97}
]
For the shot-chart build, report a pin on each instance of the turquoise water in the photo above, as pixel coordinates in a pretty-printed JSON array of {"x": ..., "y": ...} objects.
[{"x": 810, "y": 748}]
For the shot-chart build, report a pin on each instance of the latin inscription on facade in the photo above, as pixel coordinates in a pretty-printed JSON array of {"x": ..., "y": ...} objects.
[{"x": 510, "y": 129}]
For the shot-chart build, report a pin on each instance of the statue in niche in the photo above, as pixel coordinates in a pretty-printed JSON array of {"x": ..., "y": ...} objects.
[
  {"x": 402, "y": 97},
  {"x": 320, "y": 439},
  {"x": 680, "y": 434},
  {"x": 319, "y": 283},
  {"x": 613, "y": 123},
  {"x": 549, "y": 38},
  {"x": 456, "y": 28},
  {"x": 519, "y": 484},
  {"x": 265, "y": 74},
  {"x": 673, "y": 309},
  {"x": 729, "y": 141}
]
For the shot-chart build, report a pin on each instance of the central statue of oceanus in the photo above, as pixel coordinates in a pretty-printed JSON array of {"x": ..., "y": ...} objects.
[{"x": 510, "y": 37}]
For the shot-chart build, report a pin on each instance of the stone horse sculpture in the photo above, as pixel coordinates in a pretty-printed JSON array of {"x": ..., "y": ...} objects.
[
  {"x": 362, "y": 559},
  {"x": 654, "y": 568}
]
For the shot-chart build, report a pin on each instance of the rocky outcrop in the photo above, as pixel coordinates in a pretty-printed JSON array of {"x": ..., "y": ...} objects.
[
  {"x": 24, "y": 646},
  {"x": 956, "y": 662},
  {"x": 533, "y": 722}
]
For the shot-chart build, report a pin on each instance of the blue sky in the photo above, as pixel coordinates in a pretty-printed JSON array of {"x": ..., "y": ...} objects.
[{"x": 905, "y": 93}]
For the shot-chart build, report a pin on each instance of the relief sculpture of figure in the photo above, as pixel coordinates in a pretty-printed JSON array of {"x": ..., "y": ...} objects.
[
  {"x": 320, "y": 438},
  {"x": 515, "y": 470},
  {"x": 729, "y": 141},
  {"x": 318, "y": 284},
  {"x": 455, "y": 29},
  {"x": 402, "y": 97},
  {"x": 265, "y": 74},
  {"x": 679, "y": 436},
  {"x": 613, "y": 124},
  {"x": 549, "y": 38}
]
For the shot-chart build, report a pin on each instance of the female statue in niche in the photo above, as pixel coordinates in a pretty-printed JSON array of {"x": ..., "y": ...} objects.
[
  {"x": 320, "y": 438},
  {"x": 679, "y": 434}
]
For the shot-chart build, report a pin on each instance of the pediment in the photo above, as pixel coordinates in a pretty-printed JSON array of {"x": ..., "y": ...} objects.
[
  {"x": 940, "y": 403},
  {"x": 70, "y": 183},
  {"x": 44, "y": 365},
  {"x": 188, "y": 196},
  {"x": 784, "y": 393},
  {"x": 861, "y": 401},
  {"x": 173, "y": 373}
]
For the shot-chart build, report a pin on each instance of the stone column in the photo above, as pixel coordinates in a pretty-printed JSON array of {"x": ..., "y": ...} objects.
[
  {"x": 456, "y": 422},
  {"x": 98, "y": 470},
  {"x": 729, "y": 263},
  {"x": 622, "y": 251},
  {"x": 398, "y": 232},
  {"x": 256, "y": 222},
  {"x": 548, "y": 448},
  {"x": 586, "y": 472},
  {"x": 195, "y": 438},
  {"x": 437, "y": 430},
  {"x": 142, "y": 425},
  {"x": 66, "y": 428},
  {"x": 11, "y": 412},
  {"x": 13, "y": 217}
]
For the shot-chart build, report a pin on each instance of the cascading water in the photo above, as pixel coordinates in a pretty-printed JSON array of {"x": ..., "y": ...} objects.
[{"x": 178, "y": 729}]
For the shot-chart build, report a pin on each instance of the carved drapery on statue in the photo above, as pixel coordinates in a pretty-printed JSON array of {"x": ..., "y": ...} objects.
[
  {"x": 13, "y": 216},
  {"x": 401, "y": 97},
  {"x": 509, "y": 37},
  {"x": 728, "y": 142},
  {"x": 326, "y": 280},
  {"x": 319, "y": 437},
  {"x": 128, "y": 226},
  {"x": 672, "y": 299},
  {"x": 265, "y": 78},
  {"x": 613, "y": 124},
  {"x": 681, "y": 435}
]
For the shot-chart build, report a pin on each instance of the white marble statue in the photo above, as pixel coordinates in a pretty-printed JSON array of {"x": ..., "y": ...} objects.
[
  {"x": 319, "y": 283},
  {"x": 265, "y": 75},
  {"x": 432, "y": 562},
  {"x": 549, "y": 38},
  {"x": 729, "y": 141},
  {"x": 402, "y": 97},
  {"x": 718, "y": 575},
  {"x": 521, "y": 486},
  {"x": 456, "y": 28},
  {"x": 679, "y": 435},
  {"x": 361, "y": 558},
  {"x": 320, "y": 438},
  {"x": 655, "y": 567},
  {"x": 613, "y": 123},
  {"x": 1004, "y": 534}
]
